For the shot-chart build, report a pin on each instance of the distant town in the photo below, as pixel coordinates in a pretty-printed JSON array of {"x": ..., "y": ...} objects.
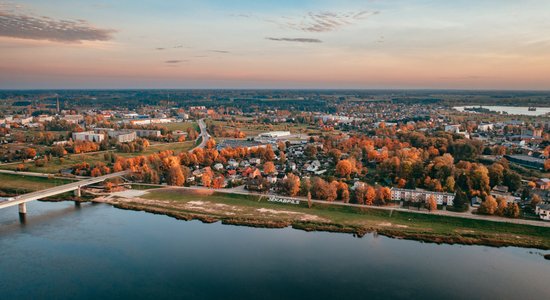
[{"x": 380, "y": 150}]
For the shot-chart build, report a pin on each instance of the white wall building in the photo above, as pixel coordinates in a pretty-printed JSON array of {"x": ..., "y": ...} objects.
[
  {"x": 543, "y": 211},
  {"x": 421, "y": 196},
  {"x": 88, "y": 136}
]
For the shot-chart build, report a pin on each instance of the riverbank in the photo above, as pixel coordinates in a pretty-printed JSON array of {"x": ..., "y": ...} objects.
[{"x": 248, "y": 210}]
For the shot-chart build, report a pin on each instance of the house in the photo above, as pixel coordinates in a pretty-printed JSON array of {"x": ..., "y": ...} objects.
[
  {"x": 232, "y": 163},
  {"x": 218, "y": 167},
  {"x": 314, "y": 166},
  {"x": 476, "y": 201},
  {"x": 543, "y": 211},
  {"x": 255, "y": 161},
  {"x": 272, "y": 179},
  {"x": 543, "y": 184},
  {"x": 485, "y": 127},
  {"x": 255, "y": 184}
]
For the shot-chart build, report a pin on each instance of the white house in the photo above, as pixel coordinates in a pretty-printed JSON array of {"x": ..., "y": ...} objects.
[{"x": 543, "y": 211}]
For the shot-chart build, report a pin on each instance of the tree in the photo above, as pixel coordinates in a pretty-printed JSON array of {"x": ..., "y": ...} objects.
[
  {"x": 206, "y": 179},
  {"x": 496, "y": 174},
  {"x": 310, "y": 151},
  {"x": 535, "y": 200},
  {"x": 344, "y": 168},
  {"x": 269, "y": 168},
  {"x": 383, "y": 195},
  {"x": 450, "y": 184},
  {"x": 30, "y": 152},
  {"x": 309, "y": 202},
  {"x": 460, "y": 201},
  {"x": 175, "y": 176},
  {"x": 502, "y": 205},
  {"x": 370, "y": 195},
  {"x": 431, "y": 203},
  {"x": 512, "y": 180},
  {"x": 547, "y": 165},
  {"x": 218, "y": 182},
  {"x": 335, "y": 154},
  {"x": 291, "y": 185},
  {"x": 512, "y": 210},
  {"x": 489, "y": 206}
]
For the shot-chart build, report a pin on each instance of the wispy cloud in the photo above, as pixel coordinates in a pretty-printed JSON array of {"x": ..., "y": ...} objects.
[
  {"x": 174, "y": 61},
  {"x": 219, "y": 51},
  {"x": 15, "y": 24},
  {"x": 324, "y": 21},
  {"x": 160, "y": 48},
  {"x": 297, "y": 40}
]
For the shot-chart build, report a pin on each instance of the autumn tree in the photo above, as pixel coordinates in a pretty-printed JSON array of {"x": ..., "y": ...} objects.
[
  {"x": 218, "y": 182},
  {"x": 489, "y": 206},
  {"x": 370, "y": 195},
  {"x": 291, "y": 185},
  {"x": 512, "y": 210},
  {"x": 344, "y": 168},
  {"x": 29, "y": 152},
  {"x": 175, "y": 176},
  {"x": 431, "y": 203},
  {"x": 383, "y": 195},
  {"x": 535, "y": 200},
  {"x": 269, "y": 168}
]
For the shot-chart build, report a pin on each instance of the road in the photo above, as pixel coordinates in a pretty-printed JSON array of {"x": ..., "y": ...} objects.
[
  {"x": 204, "y": 135},
  {"x": 58, "y": 190}
]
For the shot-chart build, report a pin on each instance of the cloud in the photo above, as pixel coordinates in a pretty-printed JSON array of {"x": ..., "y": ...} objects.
[
  {"x": 325, "y": 21},
  {"x": 159, "y": 48},
  {"x": 174, "y": 61},
  {"x": 27, "y": 26},
  {"x": 298, "y": 40},
  {"x": 220, "y": 51}
]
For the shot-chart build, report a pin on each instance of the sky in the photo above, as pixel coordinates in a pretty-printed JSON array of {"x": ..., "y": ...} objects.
[{"x": 336, "y": 44}]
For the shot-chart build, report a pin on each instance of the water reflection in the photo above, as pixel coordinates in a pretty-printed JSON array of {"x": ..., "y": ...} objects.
[{"x": 96, "y": 251}]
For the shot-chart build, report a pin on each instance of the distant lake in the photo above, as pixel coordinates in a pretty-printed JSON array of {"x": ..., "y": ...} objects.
[
  {"x": 100, "y": 252},
  {"x": 512, "y": 110}
]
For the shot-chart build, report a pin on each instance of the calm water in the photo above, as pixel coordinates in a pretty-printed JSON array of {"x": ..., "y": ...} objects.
[
  {"x": 512, "y": 110},
  {"x": 99, "y": 252}
]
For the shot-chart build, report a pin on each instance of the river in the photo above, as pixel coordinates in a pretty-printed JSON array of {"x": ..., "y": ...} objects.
[
  {"x": 96, "y": 251},
  {"x": 512, "y": 110}
]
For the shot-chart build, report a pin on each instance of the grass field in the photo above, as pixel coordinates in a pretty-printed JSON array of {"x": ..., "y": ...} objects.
[
  {"x": 400, "y": 224},
  {"x": 181, "y": 126},
  {"x": 18, "y": 184}
]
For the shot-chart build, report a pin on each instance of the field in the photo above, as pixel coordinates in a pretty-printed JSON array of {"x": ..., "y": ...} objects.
[
  {"x": 253, "y": 211},
  {"x": 181, "y": 126},
  {"x": 18, "y": 184}
]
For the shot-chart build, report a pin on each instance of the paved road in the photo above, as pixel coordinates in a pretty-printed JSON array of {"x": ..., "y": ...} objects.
[
  {"x": 204, "y": 135},
  {"x": 58, "y": 189}
]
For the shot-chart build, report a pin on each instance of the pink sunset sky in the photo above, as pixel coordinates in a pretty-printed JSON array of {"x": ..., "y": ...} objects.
[{"x": 275, "y": 44}]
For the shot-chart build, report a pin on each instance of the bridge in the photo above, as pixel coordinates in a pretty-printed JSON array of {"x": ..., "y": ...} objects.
[{"x": 21, "y": 200}]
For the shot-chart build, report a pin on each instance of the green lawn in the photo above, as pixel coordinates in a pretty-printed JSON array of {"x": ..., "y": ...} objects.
[
  {"x": 19, "y": 184},
  {"x": 430, "y": 227},
  {"x": 181, "y": 126}
]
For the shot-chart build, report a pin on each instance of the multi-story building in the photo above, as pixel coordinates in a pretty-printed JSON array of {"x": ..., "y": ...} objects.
[
  {"x": 123, "y": 136},
  {"x": 418, "y": 195},
  {"x": 88, "y": 136}
]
